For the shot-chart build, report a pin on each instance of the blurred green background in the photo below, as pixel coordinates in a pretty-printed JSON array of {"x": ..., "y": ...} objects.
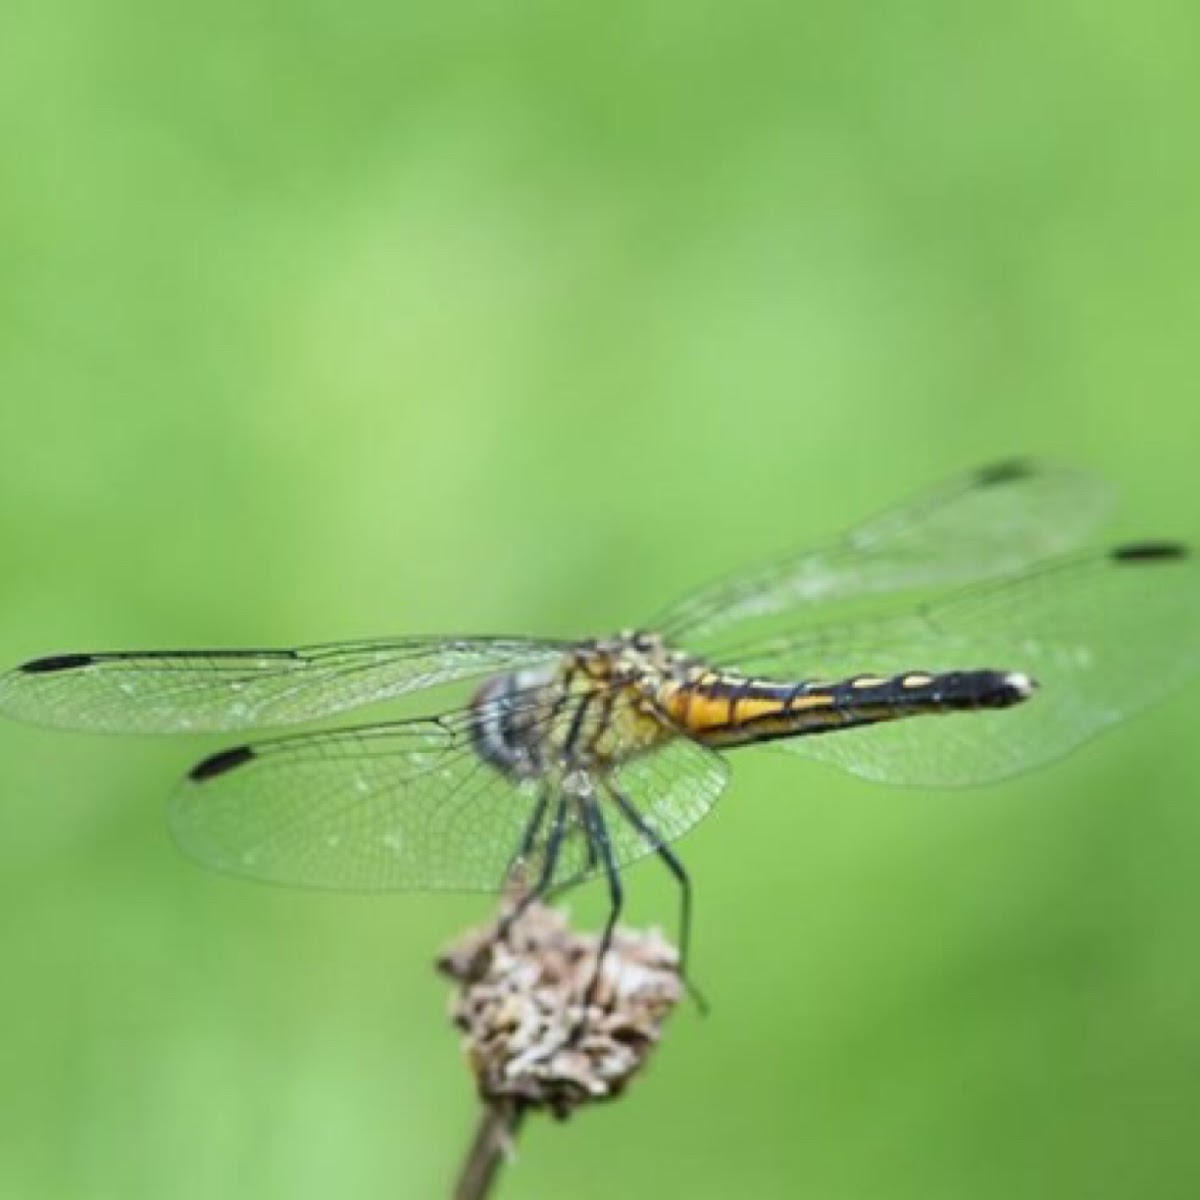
[{"x": 331, "y": 320}]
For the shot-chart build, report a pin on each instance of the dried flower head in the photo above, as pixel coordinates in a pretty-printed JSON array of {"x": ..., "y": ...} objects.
[{"x": 520, "y": 1006}]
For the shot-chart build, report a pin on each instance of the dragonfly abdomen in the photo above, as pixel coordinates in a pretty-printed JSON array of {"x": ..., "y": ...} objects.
[{"x": 725, "y": 710}]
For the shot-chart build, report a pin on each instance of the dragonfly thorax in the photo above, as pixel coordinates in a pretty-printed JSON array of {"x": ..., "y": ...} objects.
[{"x": 593, "y": 709}]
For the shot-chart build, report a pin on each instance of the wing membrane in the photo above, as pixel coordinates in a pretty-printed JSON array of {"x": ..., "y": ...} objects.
[
  {"x": 212, "y": 691},
  {"x": 992, "y": 522},
  {"x": 1103, "y": 636},
  {"x": 411, "y": 805},
  {"x": 400, "y": 806},
  {"x": 673, "y": 789}
]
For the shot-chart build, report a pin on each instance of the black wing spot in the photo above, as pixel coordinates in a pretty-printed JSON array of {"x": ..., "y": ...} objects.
[
  {"x": 1150, "y": 552},
  {"x": 219, "y": 763},
  {"x": 1009, "y": 471},
  {"x": 58, "y": 662}
]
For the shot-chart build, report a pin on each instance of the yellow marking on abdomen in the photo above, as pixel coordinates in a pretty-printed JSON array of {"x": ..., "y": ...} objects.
[{"x": 700, "y": 712}]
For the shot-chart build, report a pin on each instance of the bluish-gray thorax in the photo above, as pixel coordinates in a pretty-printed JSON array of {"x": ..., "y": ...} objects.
[{"x": 593, "y": 708}]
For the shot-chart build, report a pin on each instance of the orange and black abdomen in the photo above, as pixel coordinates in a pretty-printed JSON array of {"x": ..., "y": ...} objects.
[{"x": 726, "y": 710}]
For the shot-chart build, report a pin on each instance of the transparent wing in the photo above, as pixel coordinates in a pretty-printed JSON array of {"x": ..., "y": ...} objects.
[
  {"x": 211, "y": 691},
  {"x": 1103, "y": 635},
  {"x": 412, "y": 806},
  {"x": 673, "y": 789},
  {"x": 989, "y": 523},
  {"x": 401, "y": 806}
]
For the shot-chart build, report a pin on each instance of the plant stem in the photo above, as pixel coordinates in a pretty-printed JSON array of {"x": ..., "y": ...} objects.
[{"x": 493, "y": 1142}]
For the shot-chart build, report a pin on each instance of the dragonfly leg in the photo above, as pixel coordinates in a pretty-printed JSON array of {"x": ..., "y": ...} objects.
[
  {"x": 588, "y": 868},
  {"x": 597, "y": 832},
  {"x": 673, "y": 864},
  {"x": 529, "y": 837},
  {"x": 554, "y": 842}
]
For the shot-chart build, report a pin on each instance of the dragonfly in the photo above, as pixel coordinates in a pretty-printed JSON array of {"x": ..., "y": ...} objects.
[{"x": 957, "y": 639}]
